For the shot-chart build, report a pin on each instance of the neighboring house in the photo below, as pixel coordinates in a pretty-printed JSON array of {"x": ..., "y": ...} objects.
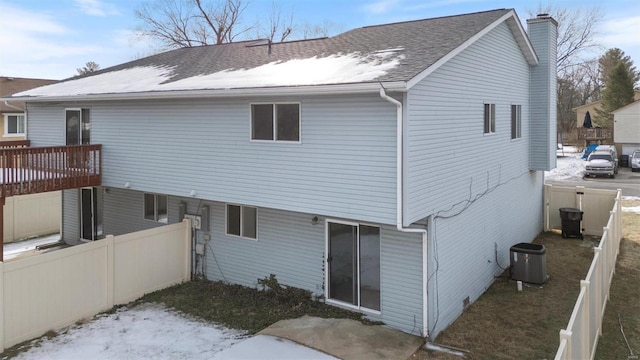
[
  {"x": 626, "y": 128},
  {"x": 389, "y": 168},
  {"x": 13, "y": 125},
  {"x": 581, "y": 111}
]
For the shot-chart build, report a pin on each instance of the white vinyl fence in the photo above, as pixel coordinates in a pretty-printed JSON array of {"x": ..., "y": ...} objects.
[
  {"x": 56, "y": 289},
  {"x": 20, "y": 211},
  {"x": 580, "y": 339}
]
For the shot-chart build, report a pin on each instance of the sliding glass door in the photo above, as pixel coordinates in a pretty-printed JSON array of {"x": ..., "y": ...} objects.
[{"x": 354, "y": 264}]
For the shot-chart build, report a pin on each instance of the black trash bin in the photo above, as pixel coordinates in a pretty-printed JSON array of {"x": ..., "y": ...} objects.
[
  {"x": 624, "y": 161},
  {"x": 529, "y": 263},
  {"x": 571, "y": 219}
]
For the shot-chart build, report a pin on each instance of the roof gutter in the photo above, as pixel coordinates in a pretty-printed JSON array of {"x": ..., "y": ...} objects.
[
  {"x": 6, "y": 102},
  {"x": 223, "y": 93},
  {"x": 399, "y": 204}
]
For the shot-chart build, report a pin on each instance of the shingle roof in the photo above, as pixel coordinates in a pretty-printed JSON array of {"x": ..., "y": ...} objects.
[
  {"x": 12, "y": 85},
  {"x": 394, "y": 52}
]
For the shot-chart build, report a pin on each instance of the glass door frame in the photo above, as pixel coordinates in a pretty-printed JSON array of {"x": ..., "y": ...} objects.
[{"x": 327, "y": 266}]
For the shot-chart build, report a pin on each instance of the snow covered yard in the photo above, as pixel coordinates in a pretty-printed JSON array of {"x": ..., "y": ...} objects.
[
  {"x": 569, "y": 167},
  {"x": 152, "y": 331}
]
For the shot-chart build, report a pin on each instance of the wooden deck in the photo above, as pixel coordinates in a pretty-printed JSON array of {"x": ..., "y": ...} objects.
[{"x": 30, "y": 170}]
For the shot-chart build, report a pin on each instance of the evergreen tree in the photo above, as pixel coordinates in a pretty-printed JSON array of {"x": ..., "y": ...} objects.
[
  {"x": 617, "y": 93},
  {"x": 610, "y": 59}
]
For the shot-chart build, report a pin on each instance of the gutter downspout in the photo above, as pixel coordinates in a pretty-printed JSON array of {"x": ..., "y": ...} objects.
[
  {"x": 6, "y": 102},
  {"x": 399, "y": 204}
]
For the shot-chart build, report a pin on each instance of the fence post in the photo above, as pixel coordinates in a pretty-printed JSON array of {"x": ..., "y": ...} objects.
[
  {"x": 566, "y": 335},
  {"x": 186, "y": 275},
  {"x": 110, "y": 270},
  {"x": 599, "y": 278},
  {"x": 586, "y": 345},
  {"x": 1, "y": 307},
  {"x": 547, "y": 189}
]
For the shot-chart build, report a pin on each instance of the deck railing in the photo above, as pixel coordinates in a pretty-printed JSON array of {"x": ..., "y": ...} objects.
[
  {"x": 596, "y": 134},
  {"x": 15, "y": 144},
  {"x": 30, "y": 170}
]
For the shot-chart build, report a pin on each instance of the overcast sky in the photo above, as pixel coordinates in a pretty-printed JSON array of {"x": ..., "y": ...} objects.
[{"x": 50, "y": 39}]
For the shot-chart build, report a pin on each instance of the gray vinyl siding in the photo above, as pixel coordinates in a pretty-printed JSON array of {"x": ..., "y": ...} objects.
[
  {"x": 288, "y": 246},
  {"x": 448, "y": 154},
  {"x": 543, "y": 96},
  {"x": 463, "y": 247},
  {"x": 71, "y": 216},
  {"x": 124, "y": 212},
  {"x": 344, "y": 165},
  {"x": 45, "y": 124},
  {"x": 401, "y": 267},
  {"x": 477, "y": 186}
]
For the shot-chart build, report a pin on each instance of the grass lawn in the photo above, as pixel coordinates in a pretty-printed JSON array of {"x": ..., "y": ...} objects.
[
  {"x": 244, "y": 308},
  {"x": 506, "y": 324}
]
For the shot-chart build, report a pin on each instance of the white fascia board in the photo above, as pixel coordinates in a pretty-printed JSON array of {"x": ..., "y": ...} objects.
[
  {"x": 222, "y": 93},
  {"x": 521, "y": 38}
]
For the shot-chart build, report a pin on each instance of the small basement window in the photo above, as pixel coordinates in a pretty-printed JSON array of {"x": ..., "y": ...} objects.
[
  {"x": 242, "y": 221},
  {"x": 155, "y": 208},
  {"x": 275, "y": 122}
]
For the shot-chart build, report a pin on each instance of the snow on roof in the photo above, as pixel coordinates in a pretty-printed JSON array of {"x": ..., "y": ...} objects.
[{"x": 335, "y": 69}]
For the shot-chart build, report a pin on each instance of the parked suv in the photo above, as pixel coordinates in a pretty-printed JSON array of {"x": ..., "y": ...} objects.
[
  {"x": 601, "y": 163},
  {"x": 612, "y": 150},
  {"x": 634, "y": 161}
]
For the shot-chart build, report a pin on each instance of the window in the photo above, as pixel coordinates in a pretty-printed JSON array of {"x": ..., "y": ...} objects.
[
  {"x": 275, "y": 122},
  {"x": 155, "y": 208},
  {"x": 489, "y": 118},
  {"x": 14, "y": 125},
  {"x": 516, "y": 121},
  {"x": 78, "y": 126},
  {"x": 242, "y": 221}
]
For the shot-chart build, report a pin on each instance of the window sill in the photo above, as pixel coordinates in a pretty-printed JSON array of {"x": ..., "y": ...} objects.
[
  {"x": 13, "y": 135},
  {"x": 241, "y": 237}
]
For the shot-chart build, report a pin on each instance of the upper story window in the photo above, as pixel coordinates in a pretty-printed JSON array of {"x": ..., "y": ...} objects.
[
  {"x": 78, "y": 126},
  {"x": 155, "y": 208},
  {"x": 14, "y": 125},
  {"x": 516, "y": 121},
  {"x": 489, "y": 118},
  {"x": 275, "y": 122}
]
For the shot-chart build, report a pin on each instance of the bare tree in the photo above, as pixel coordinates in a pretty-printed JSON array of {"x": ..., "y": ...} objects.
[
  {"x": 188, "y": 23},
  {"x": 578, "y": 75},
  {"x": 277, "y": 27},
  {"x": 89, "y": 67},
  {"x": 323, "y": 29},
  {"x": 576, "y": 33}
]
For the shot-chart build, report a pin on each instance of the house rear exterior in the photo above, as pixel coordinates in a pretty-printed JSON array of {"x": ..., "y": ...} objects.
[{"x": 388, "y": 169}]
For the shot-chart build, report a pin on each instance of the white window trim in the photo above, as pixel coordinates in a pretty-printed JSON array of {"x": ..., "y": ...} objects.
[
  {"x": 6, "y": 125},
  {"x": 155, "y": 208},
  {"x": 275, "y": 122},
  {"x": 226, "y": 221},
  {"x": 340, "y": 303},
  {"x": 494, "y": 113}
]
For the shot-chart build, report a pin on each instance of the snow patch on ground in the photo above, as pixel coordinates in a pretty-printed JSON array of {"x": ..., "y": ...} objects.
[
  {"x": 569, "y": 167},
  {"x": 632, "y": 209},
  {"x": 14, "y": 249},
  {"x": 153, "y": 331},
  {"x": 148, "y": 331}
]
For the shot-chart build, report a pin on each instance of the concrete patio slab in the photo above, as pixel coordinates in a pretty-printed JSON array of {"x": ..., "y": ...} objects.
[{"x": 347, "y": 339}]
